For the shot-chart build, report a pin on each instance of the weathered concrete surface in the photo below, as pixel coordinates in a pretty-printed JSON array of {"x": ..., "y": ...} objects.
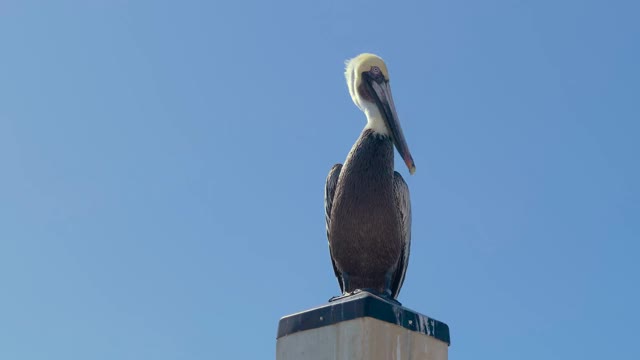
[{"x": 360, "y": 339}]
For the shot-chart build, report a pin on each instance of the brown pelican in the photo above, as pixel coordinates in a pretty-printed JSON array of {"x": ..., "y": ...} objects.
[{"x": 367, "y": 207}]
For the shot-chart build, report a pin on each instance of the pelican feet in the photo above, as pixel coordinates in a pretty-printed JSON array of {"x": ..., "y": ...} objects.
[{"x": 385, "y": 295}]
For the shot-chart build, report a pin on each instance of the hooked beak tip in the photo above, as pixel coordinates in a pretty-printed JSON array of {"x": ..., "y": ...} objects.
[{"x": 410, "y": 165}]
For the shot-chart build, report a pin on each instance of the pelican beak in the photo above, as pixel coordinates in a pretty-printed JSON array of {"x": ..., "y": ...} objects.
[{"x": 384, "y": 100}]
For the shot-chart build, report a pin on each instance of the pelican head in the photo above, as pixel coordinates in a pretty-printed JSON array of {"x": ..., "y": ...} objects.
[{"x": 368, "y": 81}]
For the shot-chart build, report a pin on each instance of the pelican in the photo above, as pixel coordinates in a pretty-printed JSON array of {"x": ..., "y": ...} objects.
[{"x": 367, "y": 206}]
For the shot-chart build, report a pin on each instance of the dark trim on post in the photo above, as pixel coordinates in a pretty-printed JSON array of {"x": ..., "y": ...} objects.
[{"x": 363, "y": 304}]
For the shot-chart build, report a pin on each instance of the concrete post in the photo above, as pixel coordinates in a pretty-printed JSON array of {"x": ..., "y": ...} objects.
[{"x": 361, "y": 327}]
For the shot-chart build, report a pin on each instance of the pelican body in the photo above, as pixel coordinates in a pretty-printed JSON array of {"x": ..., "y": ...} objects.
[{"x": 367, "y": 206}]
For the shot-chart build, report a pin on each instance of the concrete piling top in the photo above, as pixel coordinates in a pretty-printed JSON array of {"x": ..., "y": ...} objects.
[{"x": 363, "y": 305}]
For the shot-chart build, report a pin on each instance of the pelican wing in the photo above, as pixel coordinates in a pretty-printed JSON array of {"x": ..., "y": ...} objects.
[
  {"x": 329, "y": 191},
  {"x": 403, "y": 203}
]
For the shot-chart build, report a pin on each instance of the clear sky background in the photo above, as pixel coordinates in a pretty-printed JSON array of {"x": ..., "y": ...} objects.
[{"x": 163, "y": 166}]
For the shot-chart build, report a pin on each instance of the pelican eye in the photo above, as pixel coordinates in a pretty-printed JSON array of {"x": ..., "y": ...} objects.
[{"x": 376, "y": 74}]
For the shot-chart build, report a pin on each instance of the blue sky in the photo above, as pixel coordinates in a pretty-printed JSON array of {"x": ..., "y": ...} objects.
[{"x": 163, "y": 166}]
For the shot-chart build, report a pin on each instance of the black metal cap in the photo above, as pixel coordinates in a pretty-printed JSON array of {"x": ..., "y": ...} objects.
[{"x": 363, "y": 304}]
